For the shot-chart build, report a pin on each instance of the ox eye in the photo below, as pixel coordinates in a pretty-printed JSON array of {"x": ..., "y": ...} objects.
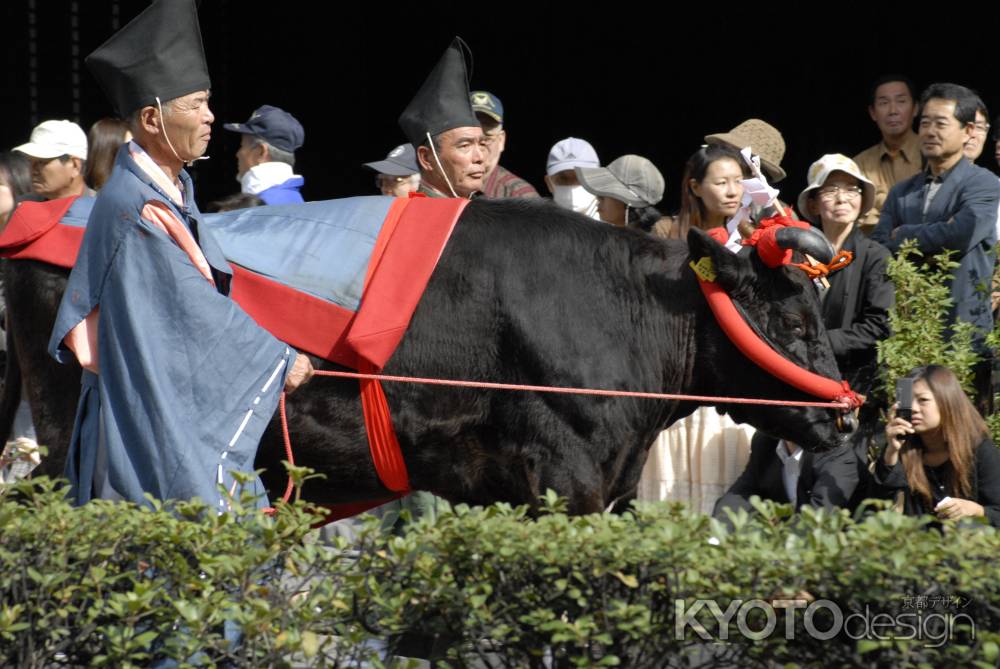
[{"x": 794, "y": 326}]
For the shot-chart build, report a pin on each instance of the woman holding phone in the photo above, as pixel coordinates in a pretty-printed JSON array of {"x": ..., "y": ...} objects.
[{"x": 942, "y": 458}]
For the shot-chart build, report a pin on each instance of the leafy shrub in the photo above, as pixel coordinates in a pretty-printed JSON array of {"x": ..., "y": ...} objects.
[
  {"x": 110, "y": 584},
  {"x": 920, "y": 335}
]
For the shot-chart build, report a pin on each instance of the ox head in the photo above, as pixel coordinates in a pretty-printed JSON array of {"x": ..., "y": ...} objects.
[{"x": 782, "y": 306}]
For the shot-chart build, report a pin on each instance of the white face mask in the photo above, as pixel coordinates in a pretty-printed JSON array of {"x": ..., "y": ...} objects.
[{"x": 576, "y": 198}]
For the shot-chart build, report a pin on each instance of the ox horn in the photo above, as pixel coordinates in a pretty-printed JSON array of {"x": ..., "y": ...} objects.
[{"x": 809, "y": 241}]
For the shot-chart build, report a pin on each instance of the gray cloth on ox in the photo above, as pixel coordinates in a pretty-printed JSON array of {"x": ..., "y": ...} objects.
[{"x": 187, "y": 381}]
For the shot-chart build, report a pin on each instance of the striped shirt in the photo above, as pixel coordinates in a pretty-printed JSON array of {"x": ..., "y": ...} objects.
[{"x": 504, "y": 183}]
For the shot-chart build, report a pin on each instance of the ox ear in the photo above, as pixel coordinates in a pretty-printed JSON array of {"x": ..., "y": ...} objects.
[{"x": 734, "y": 271}]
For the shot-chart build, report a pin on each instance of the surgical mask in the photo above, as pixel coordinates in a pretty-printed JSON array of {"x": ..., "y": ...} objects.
[{"x": 574, "y": 197}]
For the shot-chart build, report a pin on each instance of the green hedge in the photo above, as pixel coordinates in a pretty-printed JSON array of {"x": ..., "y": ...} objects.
[{"x": 114, "y": 585}]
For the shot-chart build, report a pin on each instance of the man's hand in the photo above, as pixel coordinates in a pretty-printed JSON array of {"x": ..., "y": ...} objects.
[{"x": 302, "y": 371}]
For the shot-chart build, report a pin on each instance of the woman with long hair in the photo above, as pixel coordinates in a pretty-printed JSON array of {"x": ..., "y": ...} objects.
[
  {"x": 697, "y": 458},
  {"x": 15, "y": 182},
  {"x": 942, "y": 458},
  {"x": 711, "y": 190},
  {"x": 106, "y": 136}
]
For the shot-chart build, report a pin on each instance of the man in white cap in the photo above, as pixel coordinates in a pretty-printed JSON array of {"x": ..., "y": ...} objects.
[
  {"x": 560, "y": 175},
  {"x": 58, "y": 153},
  {"x": 179, "y": 383}
]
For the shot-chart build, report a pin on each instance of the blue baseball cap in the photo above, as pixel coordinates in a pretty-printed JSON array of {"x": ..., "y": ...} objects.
[
  {"x": 273, "y": 125},
  {"x": 484, "y": 102}
]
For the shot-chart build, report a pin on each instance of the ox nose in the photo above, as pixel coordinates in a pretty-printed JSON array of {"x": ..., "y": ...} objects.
[{"x": 847, "y": 422}]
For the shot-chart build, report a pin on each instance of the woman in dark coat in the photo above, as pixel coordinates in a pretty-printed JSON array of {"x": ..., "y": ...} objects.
[{"x": 856, "y": 306}]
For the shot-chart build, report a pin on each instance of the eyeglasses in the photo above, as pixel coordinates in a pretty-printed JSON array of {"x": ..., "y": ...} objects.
[
  {"x": 389, "y": 180},
  {"x": 983, "y": 128},
  {"x": 830, "y": 193}
]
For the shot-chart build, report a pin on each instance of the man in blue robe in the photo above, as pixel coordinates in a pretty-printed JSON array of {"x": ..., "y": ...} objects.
[{"x": 179, "y": 383}]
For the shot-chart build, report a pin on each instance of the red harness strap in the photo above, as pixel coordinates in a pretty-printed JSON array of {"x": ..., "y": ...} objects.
[{"x": 753, "y": 347}]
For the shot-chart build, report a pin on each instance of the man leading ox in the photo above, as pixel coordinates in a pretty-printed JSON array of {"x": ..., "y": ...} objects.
[{"x": 179, "y": 383}]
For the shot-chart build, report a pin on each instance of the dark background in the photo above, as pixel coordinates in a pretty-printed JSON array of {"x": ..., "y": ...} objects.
[{"x": 625, "y": 78}]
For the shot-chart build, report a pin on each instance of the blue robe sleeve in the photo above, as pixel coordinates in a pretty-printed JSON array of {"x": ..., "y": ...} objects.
[{"x": 187, "y": 382}]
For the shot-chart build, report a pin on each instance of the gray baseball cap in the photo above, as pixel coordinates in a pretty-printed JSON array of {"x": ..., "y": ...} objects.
[
  {"x": 632, "y": 179},
  {"x": 401, "y": 162}
]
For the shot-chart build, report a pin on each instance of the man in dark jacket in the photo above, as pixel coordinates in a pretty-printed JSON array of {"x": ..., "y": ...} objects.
[
  {"x": 785, "y": 473},
  {"x": 952, "y": 205}
]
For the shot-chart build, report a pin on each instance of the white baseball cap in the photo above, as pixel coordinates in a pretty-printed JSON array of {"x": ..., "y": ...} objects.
[
  {"x": 51, "y": 139},
  {"x": 571, "y": 153}
]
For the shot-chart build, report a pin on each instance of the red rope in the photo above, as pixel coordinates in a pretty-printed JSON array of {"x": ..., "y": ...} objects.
[
  {"x": 534, "y": 389},
  {"x": 288, "y": 452},
  {"x": 580, "y": 391}
]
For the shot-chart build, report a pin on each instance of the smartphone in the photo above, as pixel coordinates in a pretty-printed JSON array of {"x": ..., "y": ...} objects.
[{"x": 904, "y": 398}]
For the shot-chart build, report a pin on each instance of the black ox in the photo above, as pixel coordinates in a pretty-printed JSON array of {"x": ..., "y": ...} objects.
[{"x": 523, "y": 293}]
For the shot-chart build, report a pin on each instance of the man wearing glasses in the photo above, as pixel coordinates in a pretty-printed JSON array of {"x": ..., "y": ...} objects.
[
  {"x": 398, "y": 175},
  {"x": 499, "y": 181},
  {"x": 951, "y": 204},
  {"x": 975, "y": 145}
]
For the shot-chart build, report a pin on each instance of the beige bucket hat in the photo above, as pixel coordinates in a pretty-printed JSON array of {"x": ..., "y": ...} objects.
[{"x": 822, "y": 169}]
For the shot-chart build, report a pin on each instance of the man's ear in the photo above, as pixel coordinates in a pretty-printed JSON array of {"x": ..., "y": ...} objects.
[
  {"x": 732, "y": 270},
  {"x": 150, "y": 120},
  {"x": 77, "y": 165},
  {"x": 871, "y": 112},
  {"x": 265, "y": 152},
  {"x": 425, "y": 158}
]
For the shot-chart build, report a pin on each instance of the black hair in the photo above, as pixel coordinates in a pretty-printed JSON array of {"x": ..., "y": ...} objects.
[
  {"x": 888, "y": 79},
  {"x": 232, "y": 202},
  {"x": 692, "y": 213},
  {"x": 643, "y": 218},
  {"x": 965, "y": 100},
  {"x": 981, "y": 108},
  {"x": 15, "y": 172}
]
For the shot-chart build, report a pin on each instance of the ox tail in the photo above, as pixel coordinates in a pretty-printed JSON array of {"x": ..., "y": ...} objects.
[{"x": 10, "y": 397}]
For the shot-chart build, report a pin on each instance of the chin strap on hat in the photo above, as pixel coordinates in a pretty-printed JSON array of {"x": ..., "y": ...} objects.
[{"x": 438, "y": 161}]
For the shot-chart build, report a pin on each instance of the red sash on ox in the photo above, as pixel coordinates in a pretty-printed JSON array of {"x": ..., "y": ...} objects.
[
  {"x": 407, "y": 249},
  {"x": 406, "y": 252}
]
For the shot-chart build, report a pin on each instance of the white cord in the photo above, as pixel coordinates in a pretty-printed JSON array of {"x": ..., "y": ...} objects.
[
  {"x": 438, "y": 161},
  {"x": 163, "y": 122}
]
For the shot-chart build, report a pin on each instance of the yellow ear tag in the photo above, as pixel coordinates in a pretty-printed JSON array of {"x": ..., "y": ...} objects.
[{"x": 704, "y": 269}]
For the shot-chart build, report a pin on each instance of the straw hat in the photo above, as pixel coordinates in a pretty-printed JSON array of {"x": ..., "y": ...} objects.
[{"x": 763, "y": 138}]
